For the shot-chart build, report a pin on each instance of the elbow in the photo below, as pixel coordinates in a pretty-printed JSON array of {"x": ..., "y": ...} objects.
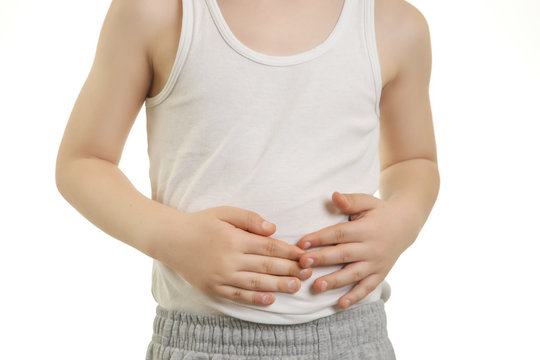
[
  {"x": 60, "y": 175},
  {"x": 64, "y": 173}
]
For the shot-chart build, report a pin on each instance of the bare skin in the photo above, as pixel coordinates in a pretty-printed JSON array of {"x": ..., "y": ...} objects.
[{"x": 135, "y": 54}]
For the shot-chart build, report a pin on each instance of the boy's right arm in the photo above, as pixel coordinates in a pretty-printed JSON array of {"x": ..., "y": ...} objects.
[
  {"x": 87, "y": 173},
  {"x": 88, "y": 177}
]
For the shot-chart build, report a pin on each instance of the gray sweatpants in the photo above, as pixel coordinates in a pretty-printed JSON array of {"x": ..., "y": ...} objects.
[{"x": 355, "y": 333}]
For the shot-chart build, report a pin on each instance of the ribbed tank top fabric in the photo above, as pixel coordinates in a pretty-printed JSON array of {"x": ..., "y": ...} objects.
[{"x": 276, "y": 135}]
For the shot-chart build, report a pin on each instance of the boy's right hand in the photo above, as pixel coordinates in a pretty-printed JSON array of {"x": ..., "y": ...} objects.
[{"x": 225, "y": 251}]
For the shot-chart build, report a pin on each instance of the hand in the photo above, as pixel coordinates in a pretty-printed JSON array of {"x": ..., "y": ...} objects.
[
  {"x": 370, "y": 244},
  {"x": 225, "y": 251}
]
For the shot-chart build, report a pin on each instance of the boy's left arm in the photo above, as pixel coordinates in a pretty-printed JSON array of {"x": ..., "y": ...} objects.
[{"x": 380, "y": 230}]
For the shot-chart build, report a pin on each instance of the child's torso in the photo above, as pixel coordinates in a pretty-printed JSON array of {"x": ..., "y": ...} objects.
[{"x": 250, "y": 118}]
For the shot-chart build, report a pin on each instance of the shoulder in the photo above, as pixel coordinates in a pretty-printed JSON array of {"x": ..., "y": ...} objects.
[
  {"x": 404, "y": 34},
  {"x": 402, "y": 20},
  {"x": 150, "y": 12},
  {"x": 401, "y": 12},
  {"x": 145, "y": 20}
]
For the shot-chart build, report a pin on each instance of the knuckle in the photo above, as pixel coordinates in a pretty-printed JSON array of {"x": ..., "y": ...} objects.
[
  {"x": 344, "y": 255},
  {"x": 271, "y": 246},
  {"x": 357, "y": 275},
  {"x": 339, "y": 235},
  {"x": 255, "y": 283},
  {"x": 236, "y": 294},
  {"x": 268, "y": 265}
]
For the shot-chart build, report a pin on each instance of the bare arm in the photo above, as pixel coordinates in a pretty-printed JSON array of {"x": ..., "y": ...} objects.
[
  {"x": 87, "y": 172},
  {"x": 409, "y": 171}
]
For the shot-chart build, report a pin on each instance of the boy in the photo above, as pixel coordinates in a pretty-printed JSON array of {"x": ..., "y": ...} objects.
[{"x": 260, "y": 110}]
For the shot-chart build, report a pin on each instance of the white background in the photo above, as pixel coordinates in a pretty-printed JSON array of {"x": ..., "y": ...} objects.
[{"x": 467, "y": 289}]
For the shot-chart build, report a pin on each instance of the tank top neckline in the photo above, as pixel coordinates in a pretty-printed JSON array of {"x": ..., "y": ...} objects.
[{"x": 278, "y": 60}]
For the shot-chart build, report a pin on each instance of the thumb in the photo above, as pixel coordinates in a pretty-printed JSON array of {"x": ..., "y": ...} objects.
[
  {"x": 246, "y": 220},
  {"x": 353, "y": 203}
]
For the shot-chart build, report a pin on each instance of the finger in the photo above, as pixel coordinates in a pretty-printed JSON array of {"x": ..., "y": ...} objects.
[
  {"x": 245, "y": 220},
  {"x": 274, "y": 266},
  {"x": 332, "y": 255},
  {"x": 263, "y": 245},
  {"x": 262, "y": 282},
  {"x": 351, "y": 273},
  {"x": 334, "y": 234},
  {"x": 360, "y": 291},
  {"x": 245, "y": 296},
  {"x": 354, "y": 203}
]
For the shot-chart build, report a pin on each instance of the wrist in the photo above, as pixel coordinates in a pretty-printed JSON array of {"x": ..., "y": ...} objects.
[
  {"x": 409, "y": 215},
  {"x": 412, "y": 187},
  {"x": 163, "y": 226}
]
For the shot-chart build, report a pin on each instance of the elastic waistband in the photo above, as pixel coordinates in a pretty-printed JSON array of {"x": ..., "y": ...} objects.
[{"x": 221, "y": 334}]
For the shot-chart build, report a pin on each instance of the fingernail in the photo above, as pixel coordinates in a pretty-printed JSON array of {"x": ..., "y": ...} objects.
[
  {"x": 307, "y": 245},
  {"x": 266, "y": 299},
  {"x": 266, "y": 225},
  {"x": 292, "y": 285},
  {"x": 324, "y": 285},
  {"x": 304, "y": 273},
  {"x": 309, "y": 261},
  {"x": 347, "y": 303}
]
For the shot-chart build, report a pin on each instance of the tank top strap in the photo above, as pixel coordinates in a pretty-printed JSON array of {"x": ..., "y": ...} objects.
[
  {"x": 184, "y": 43},
  {"x": 367, "y": 17}
]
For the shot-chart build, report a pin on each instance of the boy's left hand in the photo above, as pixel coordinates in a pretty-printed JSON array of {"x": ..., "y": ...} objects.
[{"x": 370, "y": 243}]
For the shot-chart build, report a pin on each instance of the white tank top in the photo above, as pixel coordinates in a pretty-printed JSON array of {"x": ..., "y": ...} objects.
[{"x": 276, "y": 135}]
